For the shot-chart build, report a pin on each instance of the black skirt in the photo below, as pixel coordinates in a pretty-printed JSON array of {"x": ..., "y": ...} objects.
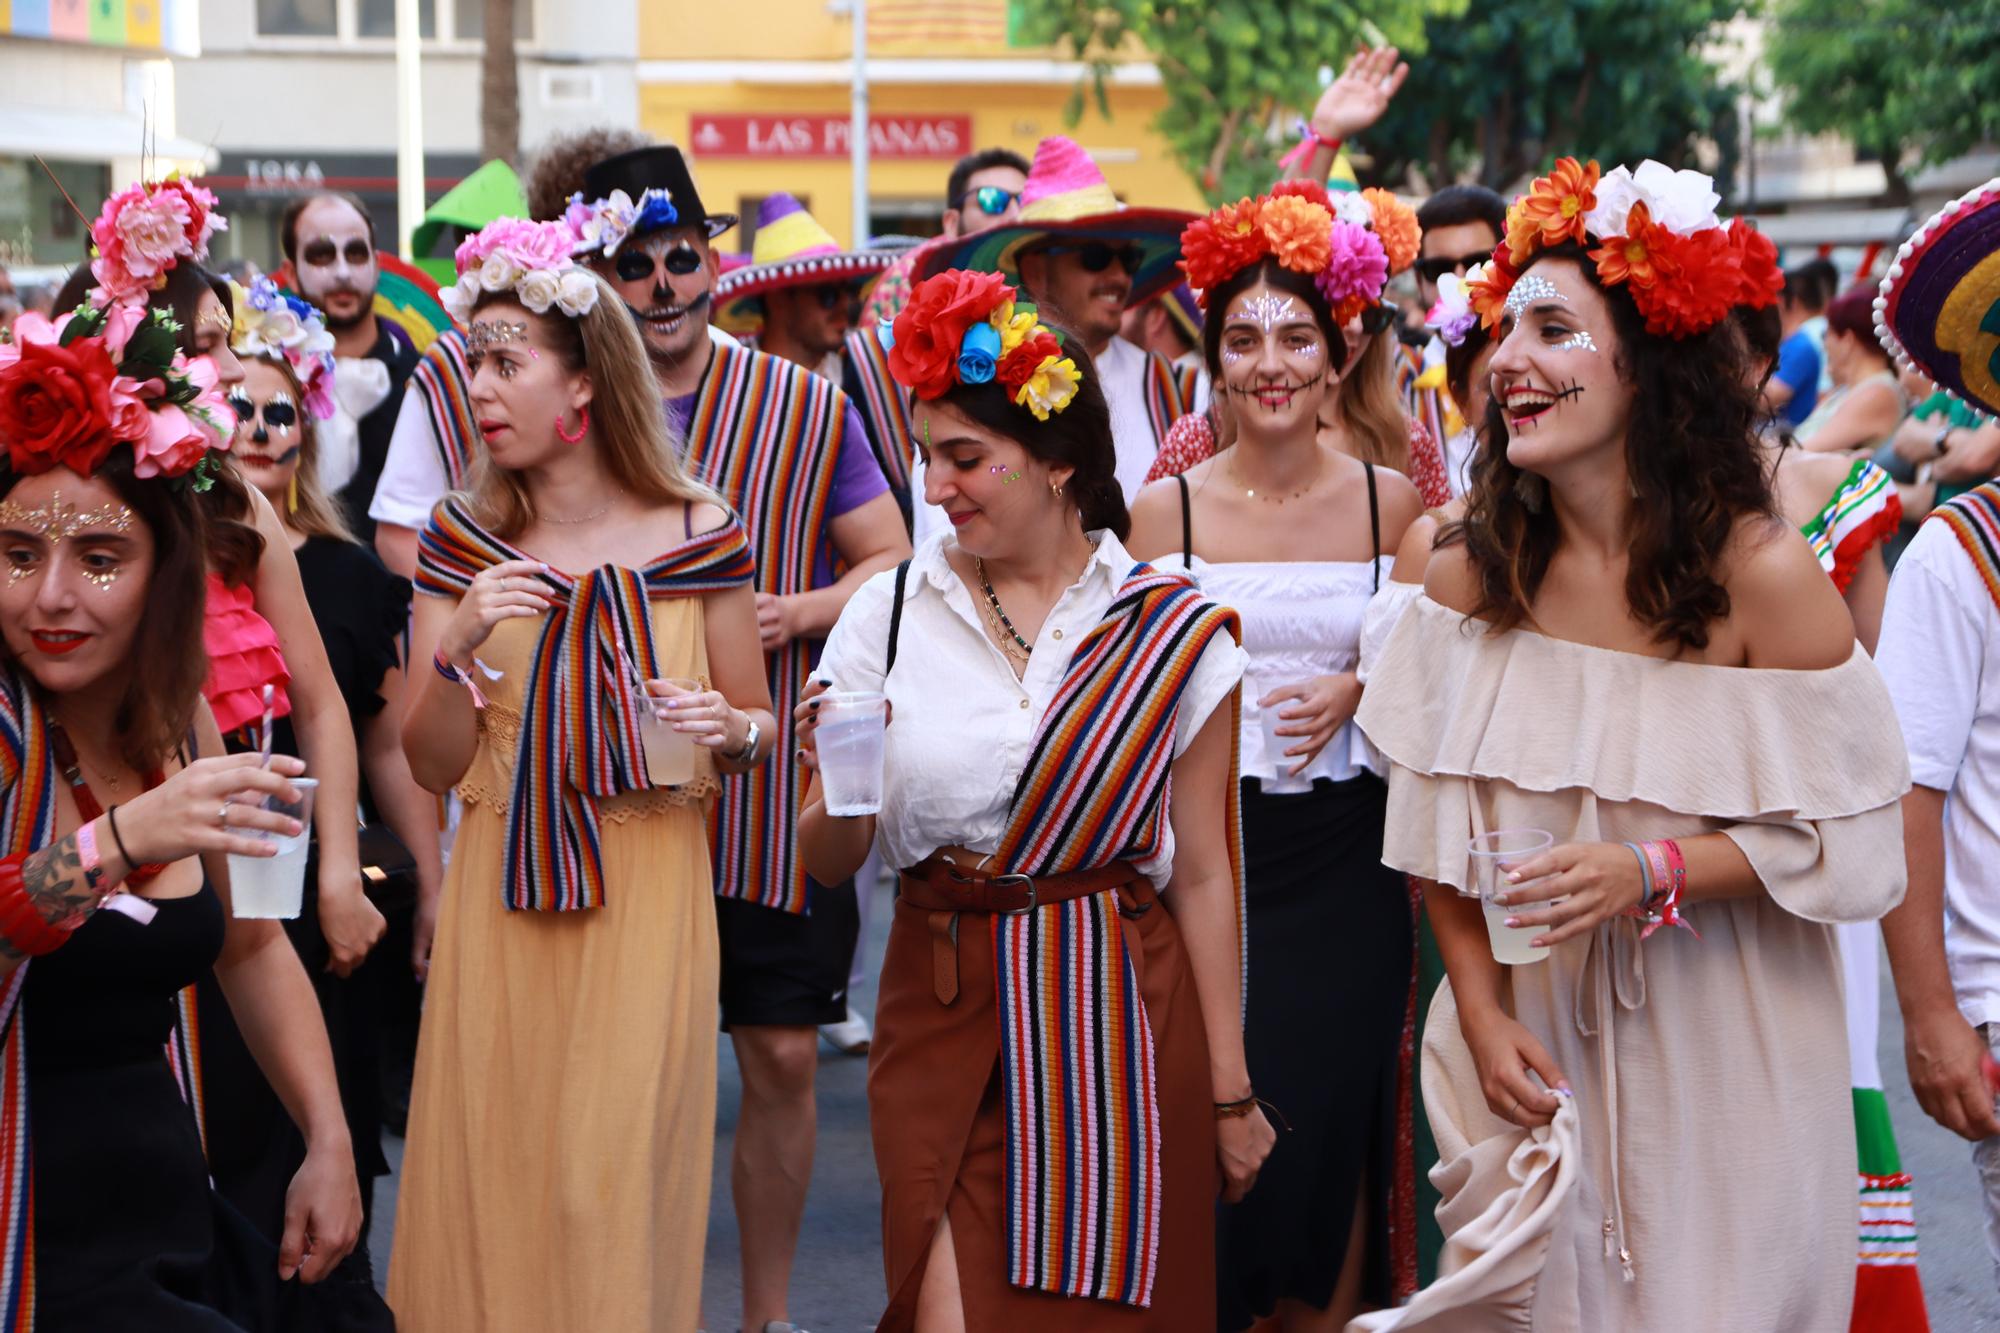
[{"x": 1330, "y": 957}]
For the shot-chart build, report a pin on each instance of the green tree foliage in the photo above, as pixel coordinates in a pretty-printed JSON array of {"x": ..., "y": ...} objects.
[
  {"x": 1237, "y": 73},
  {"x": 1504, "y": 88},
  {"x": 1909, "y": 82}
]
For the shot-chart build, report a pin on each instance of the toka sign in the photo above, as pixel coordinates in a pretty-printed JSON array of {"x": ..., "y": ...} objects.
[{"x": 818, "y": 136}]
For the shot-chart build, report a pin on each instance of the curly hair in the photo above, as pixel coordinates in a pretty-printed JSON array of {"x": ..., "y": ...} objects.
[
  {"x": 1691, "y": 453},
  {"x": 557, "y": 170}
]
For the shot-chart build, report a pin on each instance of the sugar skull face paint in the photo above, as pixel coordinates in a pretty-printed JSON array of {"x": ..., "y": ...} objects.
[
  {"x": 1273, "y": 354},
  {"x": 1268, "y": 312},
  {"x": 1529, "y": 289},
  {"x": 1580, "y": 341}
]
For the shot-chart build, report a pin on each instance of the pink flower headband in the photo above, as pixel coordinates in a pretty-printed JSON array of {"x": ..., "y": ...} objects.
[
  {"x": 531, "y": 260},
  {"x": 143, "y": 232}
]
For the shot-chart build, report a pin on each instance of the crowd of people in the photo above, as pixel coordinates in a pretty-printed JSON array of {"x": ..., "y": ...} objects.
[{"x": 1222, "y": 627}]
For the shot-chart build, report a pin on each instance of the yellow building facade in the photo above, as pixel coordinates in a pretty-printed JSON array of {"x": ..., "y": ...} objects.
[{"x": 759, "y": 96}]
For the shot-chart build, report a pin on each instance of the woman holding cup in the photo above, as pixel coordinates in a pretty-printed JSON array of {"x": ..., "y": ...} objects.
[
  {"x": 1040, "y": 687},
  {"x": 585, "y": 595},
  {"x": 121, "y": 814},
  {"x": 1615, "y": 648},
  {"x": 1297, "y": 535}
]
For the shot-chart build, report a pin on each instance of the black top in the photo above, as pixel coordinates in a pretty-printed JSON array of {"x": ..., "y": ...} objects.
[
  {"x": 393, "y": 349},
  {"x": 363, "y": 612}
]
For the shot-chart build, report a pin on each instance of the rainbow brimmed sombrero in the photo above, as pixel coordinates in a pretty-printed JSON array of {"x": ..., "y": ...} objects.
[
  {"x": 1939, "y": 306},
  {"x": 1066, "y": 195},
  {"x": 791, "y": 249}
]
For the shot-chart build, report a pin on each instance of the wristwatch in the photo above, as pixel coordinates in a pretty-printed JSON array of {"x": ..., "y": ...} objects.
[
  {"x": 1944, "y": 433},
  {"x": 748, "y": 753}
]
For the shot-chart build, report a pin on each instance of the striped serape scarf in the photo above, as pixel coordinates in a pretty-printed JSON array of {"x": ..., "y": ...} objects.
[
  {"x": 579, "y": 739},
  {"x": 27, "y": 770},
  {"x": 1974, "y": 518},
  {"x": 443, "y": 382},
  {"x": 1076, "y": 1051}
]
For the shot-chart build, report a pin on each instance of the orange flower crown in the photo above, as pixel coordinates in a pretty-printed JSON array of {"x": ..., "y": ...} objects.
[
  {"x": 1653, "y": 230},
  {"x": 1348, "y": 244}
]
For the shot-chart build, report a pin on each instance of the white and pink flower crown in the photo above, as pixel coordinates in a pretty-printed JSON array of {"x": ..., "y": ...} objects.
[
  {"x": 1452, "y": 318},
  {"x": 530, "y": 260},
  {"x": 143, "y": 232},
  {"x": 271, "y": 323}
]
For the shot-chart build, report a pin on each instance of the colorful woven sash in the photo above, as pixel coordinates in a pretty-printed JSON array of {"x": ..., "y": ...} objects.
[
  {"x": 579, "y": 739},
  {"x": 443, "y": 380},
  {"x": 1076, "y": 1051},
  {"x": 1169, "y": 394},
  {"x": 767, "y": 435},
  {"x": 1974, "y": 518},
  {"x": 28, "y": 813},
  {"x": 885, "y": 407}
]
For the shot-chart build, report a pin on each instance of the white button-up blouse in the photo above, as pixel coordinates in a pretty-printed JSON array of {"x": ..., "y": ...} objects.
[{"x": 962, "y": 724}]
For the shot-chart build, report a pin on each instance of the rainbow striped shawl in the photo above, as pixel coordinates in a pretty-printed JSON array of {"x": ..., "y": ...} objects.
[
  {"x": 443, "y": 381},
  {"x": 1076, "y": 1051},
  {"x": 884, "y": 404},
  {"x": 767, "y": 435},
  {"x": 579, "y": 740},
  {"x": 29, "y": 813},
  {"x": 1974, "y": 518}
]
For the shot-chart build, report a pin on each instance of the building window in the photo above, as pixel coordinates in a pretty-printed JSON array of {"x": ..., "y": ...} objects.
[
  {"x": 373, "y": 21},
  {"x": 37, "y": 228}
]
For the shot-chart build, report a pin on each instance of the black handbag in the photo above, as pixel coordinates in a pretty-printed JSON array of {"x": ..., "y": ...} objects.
[{"x": 388, "y": 869}]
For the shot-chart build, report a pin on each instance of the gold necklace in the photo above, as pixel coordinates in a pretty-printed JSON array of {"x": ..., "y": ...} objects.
[
  {"x": 598, "y": 512},
  {"x": 1011, "y": 641},
  {"x": 1249, "y": 493}
]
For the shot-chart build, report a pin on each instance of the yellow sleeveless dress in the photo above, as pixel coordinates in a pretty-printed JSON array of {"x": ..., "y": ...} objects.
[{"x": 556, "y": 1171}]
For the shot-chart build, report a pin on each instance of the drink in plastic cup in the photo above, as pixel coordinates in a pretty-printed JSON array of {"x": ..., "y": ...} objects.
[
  {"x": 669, "y": 753},
  {"x": 267, "y": 887},
  {"x": 850, "y": 752},
  {"x": 1276, "y": 745},
  {"x": 1493, "y": 855}
]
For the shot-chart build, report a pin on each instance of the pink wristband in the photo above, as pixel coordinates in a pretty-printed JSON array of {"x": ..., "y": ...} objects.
[{"x": 86, "y": 847}]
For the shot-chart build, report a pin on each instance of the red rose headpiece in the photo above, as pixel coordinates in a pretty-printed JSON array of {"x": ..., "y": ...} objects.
[{"x": 1653, "y": 231}]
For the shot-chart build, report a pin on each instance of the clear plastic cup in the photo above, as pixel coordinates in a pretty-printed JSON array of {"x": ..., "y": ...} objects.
[
  {"x": 1493, "y": 855},
  {"x": 1276, "y": 745},
  {"x": 850, "y": 735},
  {"x": 274, "y": 887},
  {"x": 670, "y": 754}
]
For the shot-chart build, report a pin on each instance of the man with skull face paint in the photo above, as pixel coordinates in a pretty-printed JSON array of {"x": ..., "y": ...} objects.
[
  {"x": 787, "y": 450},
  {"x": 329, "y": 244}
]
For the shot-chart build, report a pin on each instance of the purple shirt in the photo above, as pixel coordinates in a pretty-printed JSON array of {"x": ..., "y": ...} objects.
[{"x": 857, "y": 477}]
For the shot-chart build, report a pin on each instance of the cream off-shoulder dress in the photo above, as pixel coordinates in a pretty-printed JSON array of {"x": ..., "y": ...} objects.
[{"x": 1710, "y": 1174}]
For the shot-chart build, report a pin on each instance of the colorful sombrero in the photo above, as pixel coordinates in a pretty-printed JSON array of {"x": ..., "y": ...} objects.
[
  {"x": 1067, "y": 196},
  {"x": 1939, "y": 305},
  {"x": 791, "y": 249}
]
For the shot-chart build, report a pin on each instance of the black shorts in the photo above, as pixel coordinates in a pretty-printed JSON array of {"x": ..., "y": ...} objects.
[{"x": 785, "y": 970}]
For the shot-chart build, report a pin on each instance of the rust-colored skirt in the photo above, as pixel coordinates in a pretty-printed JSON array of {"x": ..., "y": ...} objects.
[{"x": 934, "y": 1109}]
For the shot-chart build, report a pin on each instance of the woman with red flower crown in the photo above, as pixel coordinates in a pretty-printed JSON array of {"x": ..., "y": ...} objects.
[
  {"x": 1597, "y": 1079},
  {"x": 120, "y": 807},
  {"x": 1057, "y": 1088}
]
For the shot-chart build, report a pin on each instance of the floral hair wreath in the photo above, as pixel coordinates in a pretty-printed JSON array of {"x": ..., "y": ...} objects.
[
  {"x": 1655, "y": 232},
  {"x": 1348, "y": 246},
  {"x": 1452, "y": 318},
  {"x": 73, "y": 390},
  {"x": 271, "y": 323},
  {"x": 530, "y": 260},
  {"x": 602, "y": 225},
  {"x": 966, "y": 328},
  {"x": 142, "y": 233}
]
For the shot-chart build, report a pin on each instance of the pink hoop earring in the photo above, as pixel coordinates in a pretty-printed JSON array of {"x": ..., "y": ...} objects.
[{"x": 582, "y": 426}]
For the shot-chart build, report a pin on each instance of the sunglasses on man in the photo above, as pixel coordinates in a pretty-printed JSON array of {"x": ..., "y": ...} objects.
[
  {"x": 634, "y": 265},
  {"x": 993, "y": 200},
  {"x": 1433, "y": 269},
  {"x": 832, "y": 295},
  {"x": 1096, "y": 256},
  {"x": 321, "y": 251}
]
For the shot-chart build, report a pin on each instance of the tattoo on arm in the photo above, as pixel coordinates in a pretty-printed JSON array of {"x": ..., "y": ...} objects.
[{"x": 57, "y": 884}]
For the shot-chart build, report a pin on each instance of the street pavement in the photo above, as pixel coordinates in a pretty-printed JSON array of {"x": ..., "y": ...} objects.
[{"x": 837, "y": 1282}]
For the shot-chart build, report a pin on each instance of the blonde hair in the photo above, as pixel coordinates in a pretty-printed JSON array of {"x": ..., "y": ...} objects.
[
  {"x": 307, "y": 508},
  {"x": 626, "y": 418},
  {"x": 1369, "y": 410}
]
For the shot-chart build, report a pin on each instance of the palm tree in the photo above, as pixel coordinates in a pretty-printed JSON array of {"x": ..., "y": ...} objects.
[{"x": 499, "y": 85}]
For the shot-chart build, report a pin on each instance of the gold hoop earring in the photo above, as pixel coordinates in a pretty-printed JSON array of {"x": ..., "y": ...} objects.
[{"x": 1055, "y": 490}]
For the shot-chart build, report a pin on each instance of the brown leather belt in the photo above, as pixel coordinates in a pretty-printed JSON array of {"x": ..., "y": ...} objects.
[{"x": 945, "y": 890}]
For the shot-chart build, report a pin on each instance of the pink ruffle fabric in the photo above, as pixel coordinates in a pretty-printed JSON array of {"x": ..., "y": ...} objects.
[{"x": 243, "y": 657}]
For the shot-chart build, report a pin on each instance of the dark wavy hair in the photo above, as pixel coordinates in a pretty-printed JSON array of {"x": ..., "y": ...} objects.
[
  {"x": 1078, "y": 437},
  {"x": 1272, "y": 273},
  {"x": 1458, "y": 362},
  {"x": 557, "y": 170},
  {"x": 168, "y": 661},
  {"x": 1691, "y": 452},
  {"x": 234, "y": 544}
]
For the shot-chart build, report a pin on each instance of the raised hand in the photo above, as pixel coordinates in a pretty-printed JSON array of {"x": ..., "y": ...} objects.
[{"x": 1357, "y": 99}]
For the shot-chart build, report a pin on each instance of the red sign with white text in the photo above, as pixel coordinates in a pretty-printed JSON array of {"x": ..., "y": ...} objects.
[{"x": 817, "y": 136}]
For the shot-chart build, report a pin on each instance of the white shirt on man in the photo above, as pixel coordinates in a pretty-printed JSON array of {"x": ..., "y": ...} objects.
[{"x": 1940, "y": 654}]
